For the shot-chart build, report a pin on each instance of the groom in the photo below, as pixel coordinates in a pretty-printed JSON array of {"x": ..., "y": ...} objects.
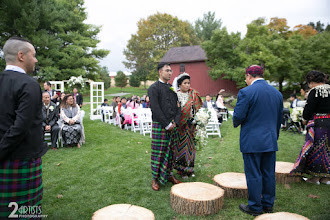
[
  {"x": 165, "y": 117},
  {"x": 259, "y": 111}
]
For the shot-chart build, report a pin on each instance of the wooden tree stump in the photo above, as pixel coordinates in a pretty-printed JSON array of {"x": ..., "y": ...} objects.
[
  {"x": 281, "y": 215},
  {"x": 234, "y": 184},
  {"x": 124, "y": 212},
  {"x": 282, "y": 173},
  {"x": 196, "y": 198}
]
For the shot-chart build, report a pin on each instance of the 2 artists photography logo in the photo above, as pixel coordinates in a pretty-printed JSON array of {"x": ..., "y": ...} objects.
[{"x": 25, "y": 211}]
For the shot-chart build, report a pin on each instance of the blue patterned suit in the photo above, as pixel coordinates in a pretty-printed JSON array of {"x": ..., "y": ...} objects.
[{"x": 259, "y": 111}]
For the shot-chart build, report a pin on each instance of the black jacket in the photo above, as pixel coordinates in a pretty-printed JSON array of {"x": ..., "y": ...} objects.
[
  {"x": 52, "y": 117},
  {"x": 164, "y": 104},
  {"x": 21, "y": 134},
  {"x": 79, "y": 99}
]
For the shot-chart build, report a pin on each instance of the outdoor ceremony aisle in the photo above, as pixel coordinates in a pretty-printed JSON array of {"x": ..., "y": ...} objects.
[{"x": 113, "y": 167}]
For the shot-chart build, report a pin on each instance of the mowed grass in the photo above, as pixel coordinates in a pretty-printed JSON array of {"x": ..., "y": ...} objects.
[{"x": 113, "y": 167}]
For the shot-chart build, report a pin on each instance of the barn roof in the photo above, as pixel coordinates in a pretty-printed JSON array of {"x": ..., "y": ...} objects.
[{"x": 184, "y": 54}]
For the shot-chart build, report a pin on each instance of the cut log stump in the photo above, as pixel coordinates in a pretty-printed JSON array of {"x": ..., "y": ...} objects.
[
  {"x": 234, "y": 184},
  {"x": 282, "y": 173},
  {"x": 281, "y": 215},
  {"x": 196, "y": 198},
  {"x": 123, "y": 212}
]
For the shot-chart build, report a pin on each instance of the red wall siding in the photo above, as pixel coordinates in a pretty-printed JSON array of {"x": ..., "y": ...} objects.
[{"x": 202, "y": 82}]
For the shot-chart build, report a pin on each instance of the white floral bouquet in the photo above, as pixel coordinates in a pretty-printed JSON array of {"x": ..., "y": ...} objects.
[
  {"x": 76, "y": 81},
  {"x": 201, "y": 119},
  {"x": 296, "y": 114}
]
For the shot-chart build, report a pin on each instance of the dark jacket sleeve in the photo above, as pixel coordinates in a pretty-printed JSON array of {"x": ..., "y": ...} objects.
[
  {"x": 310, "y": 106},
  {"x": 241, "y": 109},
  {"x": 155, "y": 108},
  {"x": 178, "y": 115},
  {"x": 29, "y": 102},
  {"x": 54, "y": 118}
]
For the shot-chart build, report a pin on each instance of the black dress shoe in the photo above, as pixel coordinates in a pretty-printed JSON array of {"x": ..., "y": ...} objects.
[
  {"x": 267, "y": 209},
  {"x": 247, "y": 210}
]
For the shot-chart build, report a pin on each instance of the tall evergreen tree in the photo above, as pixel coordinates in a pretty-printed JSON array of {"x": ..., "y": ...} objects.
[
  {"x": 65, "y": 45},
  {"x": 205, "y": 27}
]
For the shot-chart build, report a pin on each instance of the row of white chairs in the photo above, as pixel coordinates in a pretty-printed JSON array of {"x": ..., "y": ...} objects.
[{"x": 141, "y": 119}]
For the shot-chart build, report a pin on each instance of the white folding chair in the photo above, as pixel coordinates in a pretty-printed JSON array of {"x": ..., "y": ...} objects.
[
  {"x": 145, "y": 118},
  {"x": 136, "y": 122},
  {"x": 108, "y": 112},
  {"x": 213, "y": 126}
]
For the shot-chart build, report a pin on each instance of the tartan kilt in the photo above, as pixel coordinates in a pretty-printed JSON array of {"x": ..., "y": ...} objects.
[
  {"x": 20, "y": 182},
  {"x": 161, "y": 153}
]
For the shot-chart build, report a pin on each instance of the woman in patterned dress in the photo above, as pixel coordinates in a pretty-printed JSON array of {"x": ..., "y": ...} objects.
[
  {"x": 72, "y": 130},
  {"x": 185, "y": 149},
  {"x": 314, "y": 158}
]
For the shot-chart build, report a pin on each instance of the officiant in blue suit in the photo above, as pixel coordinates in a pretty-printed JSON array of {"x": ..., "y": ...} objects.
[{"x": 259, "y": 111}]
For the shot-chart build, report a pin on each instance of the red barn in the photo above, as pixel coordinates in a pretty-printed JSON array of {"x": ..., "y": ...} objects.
[{"x": 191, "y": 59}]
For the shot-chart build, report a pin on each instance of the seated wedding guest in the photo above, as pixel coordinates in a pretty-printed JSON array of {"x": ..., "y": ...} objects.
[
  {"x": 50, "y": 117},
  {"x": 60, "y": 99},
  {"x": 114, "y": 101},
  {"x": 220, "y": 107},
  {"x": 105, "y": 103},
  {"x": 314, "y": 158},
  {"x": 293, "y": 100},
  {"x": 52, "y": 92},
  {"x": 72, "y": 128},
  {"x": 209, "y": 103},
  {"x": 77, "y": 97},
  {"x": 133, "y": 103},
  {"x": 121, "y": 109},
  {"x": 115, "y": 105},
  {"x": 146, "y": 103}
]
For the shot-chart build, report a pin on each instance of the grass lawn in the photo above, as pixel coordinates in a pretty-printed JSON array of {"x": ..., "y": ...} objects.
[{"x": 114, "y": 167}]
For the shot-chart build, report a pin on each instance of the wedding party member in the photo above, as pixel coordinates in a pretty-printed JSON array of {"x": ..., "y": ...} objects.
[
  {"x": 314, "y": 158},
  {"x": 52, "y": 93},
  {"x": 72, "y": 129},
  {"x": 78, "y": 98},
  {"x": 165, "y": 116},
  {"x": 50, "y": 117},
  {"x": 185, "y": 150},
  {"x": 259, "y": 111},
  {"x": 21, "y": 135}
]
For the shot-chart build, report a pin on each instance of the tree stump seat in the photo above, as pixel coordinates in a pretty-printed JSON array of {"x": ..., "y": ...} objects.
[
  {"x": 234, "y": 184},
  {"x": 282, "y": 173},
  {"x": 280, "y": 215},
  {"x": 196, "y": 198},
  {"x": 123, "y": 212}
]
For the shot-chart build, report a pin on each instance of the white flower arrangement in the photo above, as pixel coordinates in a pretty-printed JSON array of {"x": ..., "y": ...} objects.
[
  {"x": 51, "y": 108},
  {"x": 296, "y": 114},
  {"x": 201, "y": 119},
  {"x": 76, "y": 80}
]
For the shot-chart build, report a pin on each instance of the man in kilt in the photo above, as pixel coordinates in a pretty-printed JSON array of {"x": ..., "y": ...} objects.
[
  {"x": 21, "y": 134},
  {"x": 165, "y": 116}
]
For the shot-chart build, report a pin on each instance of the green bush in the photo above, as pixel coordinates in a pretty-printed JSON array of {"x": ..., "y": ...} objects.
[{"x": 134, "y": 80}]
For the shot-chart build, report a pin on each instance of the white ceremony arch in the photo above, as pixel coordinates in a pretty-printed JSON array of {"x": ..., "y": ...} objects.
[
  {"x": 97, "y": 97},
  {"x": 58, "y": 85}
]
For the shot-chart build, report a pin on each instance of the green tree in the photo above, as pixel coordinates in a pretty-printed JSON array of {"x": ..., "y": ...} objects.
[
  {"x": 155, "y": 36},
  {"x": 120, "y": 80},
  {"x": 319, "y": 26},
  {"x": 104, "y": 75},
  {"x": 134, "y": 80},
  {"x": 143, "y": 71},
  {"x": 222, "y": 54},
  {"x": 65, "y": 45},
  {"x": 205, "y": 27}
]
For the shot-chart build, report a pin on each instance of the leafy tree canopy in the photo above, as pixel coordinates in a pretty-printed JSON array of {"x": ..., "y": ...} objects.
[
  {"x": 155, "y": 36},
  {"x": 205, "y": 27},
  {"x": 65, "y": 45}
]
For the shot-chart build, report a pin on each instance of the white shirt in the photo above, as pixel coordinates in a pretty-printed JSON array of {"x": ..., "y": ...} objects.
[
  {"x": 209, "y": 104},
  {"x": 15, "y": 68},
  {"x": 257, "y": 80}
]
